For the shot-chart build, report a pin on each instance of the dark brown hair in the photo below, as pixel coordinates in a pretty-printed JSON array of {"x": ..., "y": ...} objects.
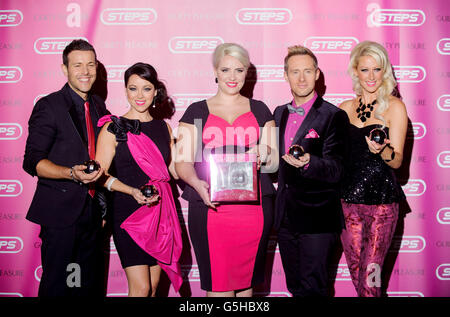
[
  {"x": 77, "y": 45},
  {"x": 164, "y": 106}
]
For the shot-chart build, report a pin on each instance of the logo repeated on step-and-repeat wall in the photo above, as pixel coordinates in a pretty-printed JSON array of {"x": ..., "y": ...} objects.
[
  {"x": 183, "y": 36},
  {"x": 10, "y": 18},
  {"x": 11, "y": 244},
  {"x": 10, "y": 74},
  {"x": 331, "y": 44},
  {"x": 263, "y": 16},
  {"x": 194, "y": 44},
  {"x": 53, "y": 45},
  {"x": 128, "y": 16}
]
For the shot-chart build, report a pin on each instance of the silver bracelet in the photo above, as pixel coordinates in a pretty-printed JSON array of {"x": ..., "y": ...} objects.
[
  {"x": 73, "y": 178},
  {"x": 110, "y": 182}
]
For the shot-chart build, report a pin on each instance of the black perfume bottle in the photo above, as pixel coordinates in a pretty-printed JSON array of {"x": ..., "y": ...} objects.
[
  {"x": 149, "y": 190},
  {"x": 91, "y": 166},
  {"x": 296, "y": 151},
  {"x": 378, "y": 135}
]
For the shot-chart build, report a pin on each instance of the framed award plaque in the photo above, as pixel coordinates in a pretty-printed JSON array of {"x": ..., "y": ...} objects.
[{"x": 233, "y": 178}]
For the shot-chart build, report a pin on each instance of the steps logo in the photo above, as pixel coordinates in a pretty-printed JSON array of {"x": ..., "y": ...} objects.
[
  {"x": 11, "y": 244},
  {"x": 331, "y": 44},
  {"x": 264, "y": 16},
  {"x": 270, "y": 73},
  {"x": 38, "y": 273},
  {"x": 337, "y": 99},
  {"x": 443, "y": 159},
  {"x": 408, "y": 244},
  {"x": 443, "y": 46},
  {"x": 443, "y": 272},
  {"x": 182, "y": 101},
  {"x": 53, "y": 45},
  {"x": 10, "y": 188},
  {"x": 117, "y": 295},
  {"x": 4, "y": 294},
  {"x": 415, "y": 187},
  {"x": 395, "y": 17},
  {"x": 10, "y": 74},
  {"x": 128, "y": 16},
  {"x": 10, "y": 17},
  {"x": 38, "y": 97},
  {"x": 405, "y": 294},
  {"x": 409, "y": 74},
  {"x": 115, "y": 73},
  {"x": 443, "y": 216},
  {"x": 190, "y": 273},
  {"x": 418, "y": 131},
  {"x": 343, "y": 273},
  {"x": 194, "y": 44},
  {"x": 10, "y": 131},
  {"x": 183, "y": 215},
  {"x": 112, "y": 247},
  {"x": 443, "y": 103}
]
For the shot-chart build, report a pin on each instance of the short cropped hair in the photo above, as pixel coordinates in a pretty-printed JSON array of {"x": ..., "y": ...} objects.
[
  {"x": 299, "y": 50},
  {"x": 77, "y": 45},
  {"x": 231, "y": 49}
]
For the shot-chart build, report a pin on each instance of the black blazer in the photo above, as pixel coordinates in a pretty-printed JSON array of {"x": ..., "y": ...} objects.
[
  {"x": 55, "y": 133},
  {"x": 310, "y": 197}
]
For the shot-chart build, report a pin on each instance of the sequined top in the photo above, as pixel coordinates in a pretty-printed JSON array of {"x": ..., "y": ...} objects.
[{"x": 369, "y": 180}]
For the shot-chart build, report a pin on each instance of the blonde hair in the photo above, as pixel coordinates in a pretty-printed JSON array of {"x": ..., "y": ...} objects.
[
  {"x": 379, "y": 53},
  {"x": 299, "y": 50},
  {"x": 231, "y": 49}
]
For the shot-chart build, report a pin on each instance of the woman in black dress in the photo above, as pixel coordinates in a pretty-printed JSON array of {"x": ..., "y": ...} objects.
[
  {"x": 370, "y": 191},
  {"x": 149, "y": 105}
]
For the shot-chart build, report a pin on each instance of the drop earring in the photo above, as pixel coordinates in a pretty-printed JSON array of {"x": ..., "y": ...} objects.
[
  {"x": 217, "y": 81},
  {"x": 154, "y": 98}
]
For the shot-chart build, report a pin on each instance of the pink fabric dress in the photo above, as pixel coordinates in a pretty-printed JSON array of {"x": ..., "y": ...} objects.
[
  {"x": 230, "y": 243},
  {"x": 155, "y": 229},
  {"x": 234, "y": 231}
]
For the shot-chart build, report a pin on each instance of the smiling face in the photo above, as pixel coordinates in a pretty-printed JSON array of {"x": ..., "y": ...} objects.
[
  {"x": 369, "y": 73},
  {"x": 301, "y": 74},
  {"x": 230, "y": 74},
  {"x": 81, "y": 71},
  {"x": 140, "y": 93}
]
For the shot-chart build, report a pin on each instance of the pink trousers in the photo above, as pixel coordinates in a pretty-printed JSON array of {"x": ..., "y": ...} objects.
[{"x": 366, "y": 241}]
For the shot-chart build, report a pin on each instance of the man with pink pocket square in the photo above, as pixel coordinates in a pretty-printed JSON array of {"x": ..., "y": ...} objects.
[{"x": 308, "y": 214}]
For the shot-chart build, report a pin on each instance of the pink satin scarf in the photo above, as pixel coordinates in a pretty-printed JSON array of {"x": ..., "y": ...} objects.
[{"x": 155, "y": 228}]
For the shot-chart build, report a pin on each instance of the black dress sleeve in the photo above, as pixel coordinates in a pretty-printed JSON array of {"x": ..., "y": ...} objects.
[
  {"x": 197, "y": 110},
  {"x": 261, "y": 112}
]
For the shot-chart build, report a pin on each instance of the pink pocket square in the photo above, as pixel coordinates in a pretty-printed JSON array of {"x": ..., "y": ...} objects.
[{"x": 312, "y": 134}]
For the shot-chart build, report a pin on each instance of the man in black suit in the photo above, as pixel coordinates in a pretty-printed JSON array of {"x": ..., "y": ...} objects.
[
  {"x": 62, "y": 133},
  {"x": 308, "y": 208}
]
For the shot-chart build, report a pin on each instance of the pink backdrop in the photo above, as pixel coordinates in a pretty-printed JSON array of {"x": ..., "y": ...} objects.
[{"x": 177, "y": 37}]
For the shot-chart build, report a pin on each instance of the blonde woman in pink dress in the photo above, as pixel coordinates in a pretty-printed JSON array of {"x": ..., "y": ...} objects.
[{"x": 229, "y": 240}]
